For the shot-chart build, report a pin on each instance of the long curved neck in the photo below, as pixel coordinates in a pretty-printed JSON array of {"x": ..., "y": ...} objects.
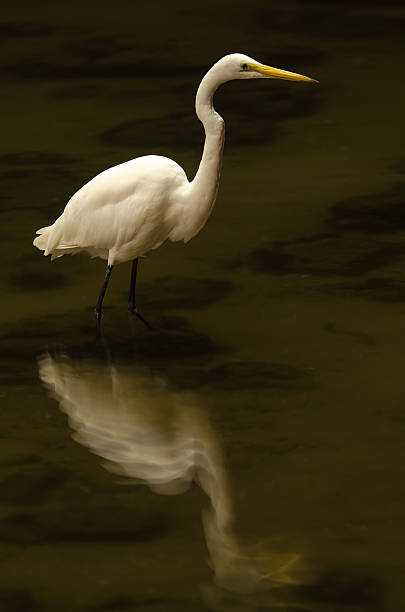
[{"x": 204, "y": 187}]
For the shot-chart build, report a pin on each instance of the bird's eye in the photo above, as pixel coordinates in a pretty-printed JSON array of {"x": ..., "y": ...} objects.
[{"x": 244, "y": 67}]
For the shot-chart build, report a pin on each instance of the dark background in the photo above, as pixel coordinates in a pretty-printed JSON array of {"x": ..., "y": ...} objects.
[{"x": 283, "y": 319}]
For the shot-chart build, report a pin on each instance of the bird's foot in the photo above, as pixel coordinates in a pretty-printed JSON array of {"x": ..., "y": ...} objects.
[
  {"x": 133, "y": 310},
  {"x": 98, "y": 315}
]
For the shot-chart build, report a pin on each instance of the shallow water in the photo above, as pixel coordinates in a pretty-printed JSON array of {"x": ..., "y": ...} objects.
[{"x": 248, "y": 452}]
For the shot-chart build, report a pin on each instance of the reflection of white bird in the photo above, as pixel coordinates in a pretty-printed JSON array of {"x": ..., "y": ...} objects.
[
  {"x": 145, "y": 432},
  {"x": 132, "y": 208},
  {"x": 161, "y": 439}
]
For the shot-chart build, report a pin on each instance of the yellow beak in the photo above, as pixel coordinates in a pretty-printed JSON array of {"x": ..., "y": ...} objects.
[{"x": 276, "y": 73}]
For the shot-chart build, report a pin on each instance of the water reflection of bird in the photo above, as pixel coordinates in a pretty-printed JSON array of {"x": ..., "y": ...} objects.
[
  {"x": 160, "y": 438},
  {"x": 132, "y": 208}
]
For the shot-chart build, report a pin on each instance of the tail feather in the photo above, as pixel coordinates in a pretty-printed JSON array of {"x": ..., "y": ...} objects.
[
  {"x": 41, "y": 241},
  {"x": 51, "y": 243},
  {"x": 45, "y": 242},
  {"x": 44, "y": 230}
]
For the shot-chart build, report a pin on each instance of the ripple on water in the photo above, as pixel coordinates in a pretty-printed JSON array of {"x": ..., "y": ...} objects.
[
  {"x": 168, "y": 347},
  {"x": 150, "y": 604},
  {"x": 241, "y": 375},
  {"x": 18, "y": 600},
  {"x": 31, "y": 485},
  {"x": 99, "y": 47},
  {"x": 359, "y": 20},
  {"x": 365, "y": 235},
  {"x": 340, "y": 255},
  {"x": 379, "y": 289},
  {"x": 380, "y": 213},
  {"x": 178, "y": 130},
  {"x": 87, "y": 519},
  {"x": 26, "y": 29},
  {"x": 346, "y": 589},
  {"x": 62, "y": 68},
  {"x": 182, "y": 129},
  {"x": 37, "y": 158},
  {"x": 32, "y": 279},
  {"x": 184, "y": 293},
  {"x": 285, "y": 100}
]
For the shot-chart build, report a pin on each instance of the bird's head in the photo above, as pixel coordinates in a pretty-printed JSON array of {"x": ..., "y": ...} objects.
[{"x": 239, "y": 66}]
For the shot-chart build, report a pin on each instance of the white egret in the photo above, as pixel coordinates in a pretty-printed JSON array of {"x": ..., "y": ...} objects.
[{"x": 131, "y": 208}]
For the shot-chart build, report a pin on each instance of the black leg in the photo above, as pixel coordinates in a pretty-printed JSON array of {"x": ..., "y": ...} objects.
[
  {"x": 132, "y": 287},
  {"x": 97, "y": 310}
]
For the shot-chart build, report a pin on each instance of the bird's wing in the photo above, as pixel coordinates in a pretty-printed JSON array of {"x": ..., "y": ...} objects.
[{"x": 118, "y": 203}]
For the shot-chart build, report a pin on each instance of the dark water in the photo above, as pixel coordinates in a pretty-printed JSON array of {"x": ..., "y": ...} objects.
[{"x": 248, "y": 453}]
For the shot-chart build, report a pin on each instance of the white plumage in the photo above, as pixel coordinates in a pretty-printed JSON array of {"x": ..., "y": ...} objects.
[
  {"x": 121, "y": 213},
  {"x": 132, "y": 208}
]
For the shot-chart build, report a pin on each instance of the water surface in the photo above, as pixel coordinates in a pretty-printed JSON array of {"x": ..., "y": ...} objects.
[{"x": 248, "y": 452}]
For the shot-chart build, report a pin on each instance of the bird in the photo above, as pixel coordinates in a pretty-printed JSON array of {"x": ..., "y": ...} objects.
[{"x": 133, "y": 207}]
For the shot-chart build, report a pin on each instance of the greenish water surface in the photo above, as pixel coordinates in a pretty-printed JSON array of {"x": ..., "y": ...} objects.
[{"x": 248, "y": 452}]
